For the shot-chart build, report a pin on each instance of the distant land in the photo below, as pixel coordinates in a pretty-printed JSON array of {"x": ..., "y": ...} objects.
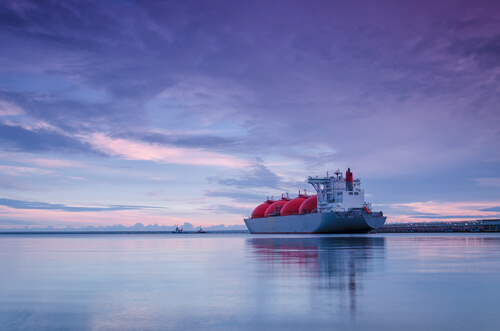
[
  {"x": 487, "y": 225},
  {"x": 119, "y": 227}
]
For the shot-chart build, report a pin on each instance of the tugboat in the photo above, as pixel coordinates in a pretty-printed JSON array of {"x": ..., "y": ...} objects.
[
  {"x": 338, "y": 207},
  {"x": 201, "y": 230}
]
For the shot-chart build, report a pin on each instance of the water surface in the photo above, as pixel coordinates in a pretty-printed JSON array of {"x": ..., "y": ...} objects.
[{"x": 239, "y": 281}]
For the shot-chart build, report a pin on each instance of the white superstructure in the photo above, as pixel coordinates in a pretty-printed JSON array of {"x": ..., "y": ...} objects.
[{"x": 338, "y": 193}]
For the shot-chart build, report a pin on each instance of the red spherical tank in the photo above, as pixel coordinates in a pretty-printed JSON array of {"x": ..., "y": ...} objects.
[
  {"x": 259, "y": 211},
  {"x": 272, "y": 208},
  {"x": 309, "y": 205},
  {"x": 292, "y": 207}
]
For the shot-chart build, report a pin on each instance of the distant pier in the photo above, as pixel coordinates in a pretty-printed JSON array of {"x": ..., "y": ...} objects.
[{"x": 463, "y": 226}]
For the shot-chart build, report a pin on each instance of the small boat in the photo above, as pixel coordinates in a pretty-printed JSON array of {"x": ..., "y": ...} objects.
[{"x": 201, "y": 230}]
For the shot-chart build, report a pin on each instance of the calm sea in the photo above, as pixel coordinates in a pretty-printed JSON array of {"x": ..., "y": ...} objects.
[{"x": 239, "y": 281}]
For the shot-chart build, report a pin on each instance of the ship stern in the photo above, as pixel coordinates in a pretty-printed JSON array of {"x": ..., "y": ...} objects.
[{"x": 375, "y": 221}]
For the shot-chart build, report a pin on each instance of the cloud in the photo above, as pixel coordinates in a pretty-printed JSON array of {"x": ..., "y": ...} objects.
[
  {"x": 156, "y": 193},
  {"x": 477, "y": 40},
  {"x": 494, "y": 209},
  {"x": 184, "y": 140},
  {"x": 450, "y": 217},
  {"x": 254, "y": 180},
  {"x": 20, "y": 204},
  {"x": 438, "y": 210},
  {"x": 492, "y": 182},
  {"x": 279, "y": 84},
  {"x": 85, "y": 46},
  {"x": 9, "y": 109},
  {"x": 11, "y": 184},
  {"x": 15, "y": 171},
  {"x": 228, "y": 209},
  {"x": 56, "y": 163},
  {"x": 136, "y": 150},
  {"x": 63, "y": 110},
  {"x": 17, "y": 222},
  {"x": 238, "y": 196},
  {"x": 61, "y": 217},
  {"x": 76, "y": 178},
  {"x": 41, "y": 140},
  {"x": 419, "y": 214},
  {"x": 257, "y": 176}
]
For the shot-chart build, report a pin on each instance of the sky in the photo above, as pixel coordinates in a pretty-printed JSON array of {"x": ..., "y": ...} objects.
[{"x": 165, "y": 112}]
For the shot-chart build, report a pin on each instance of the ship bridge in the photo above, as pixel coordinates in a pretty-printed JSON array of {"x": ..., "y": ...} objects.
[{"x": 338, "y": 193}]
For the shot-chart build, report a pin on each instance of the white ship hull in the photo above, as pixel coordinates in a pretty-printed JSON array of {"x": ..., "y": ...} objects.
[{"x": 332, "y": 222}]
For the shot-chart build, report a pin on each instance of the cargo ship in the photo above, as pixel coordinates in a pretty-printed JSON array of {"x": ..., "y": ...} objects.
[{"x": 337, "y": 207}]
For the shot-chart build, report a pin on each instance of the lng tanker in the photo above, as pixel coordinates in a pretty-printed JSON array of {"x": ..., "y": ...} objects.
[{"x": 337, "y": 207}]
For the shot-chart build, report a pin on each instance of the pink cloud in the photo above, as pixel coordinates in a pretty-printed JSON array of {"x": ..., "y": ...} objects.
[
  {"x": 76, "y": 178},
  {"x": 9, "y": 109},
  {"x": 453, "y": 211},
  {"x": 54, "y": 163},
  {"x": 60, "y": 218},
  {"x": 27, "y": 158},
  {"x": 134, "y": 150},
  {"x": 15, "y": 171}
]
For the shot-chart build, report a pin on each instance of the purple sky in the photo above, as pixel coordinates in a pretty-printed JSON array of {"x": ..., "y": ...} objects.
[{"x": 171, "y": 111}]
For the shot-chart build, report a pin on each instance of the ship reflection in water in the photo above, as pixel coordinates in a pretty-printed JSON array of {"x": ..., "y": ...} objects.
[{"x": 332, "y": 267}]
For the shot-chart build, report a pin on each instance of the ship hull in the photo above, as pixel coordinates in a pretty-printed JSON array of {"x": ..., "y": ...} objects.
[{"x": 333, "y": 222}]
